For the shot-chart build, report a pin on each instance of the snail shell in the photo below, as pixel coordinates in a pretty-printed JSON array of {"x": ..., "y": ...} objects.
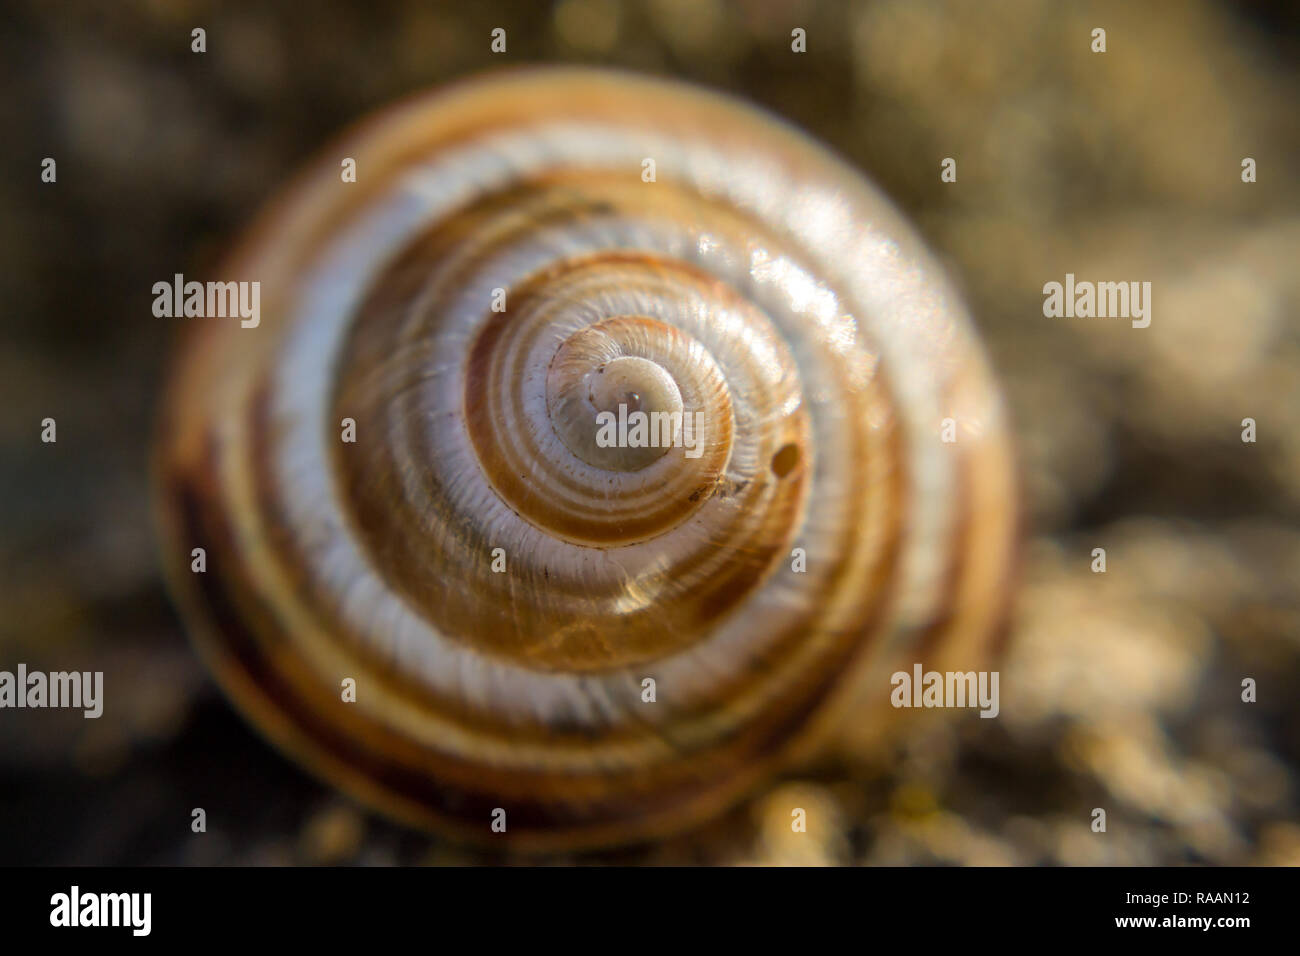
[{"x": 498, "y": 583}]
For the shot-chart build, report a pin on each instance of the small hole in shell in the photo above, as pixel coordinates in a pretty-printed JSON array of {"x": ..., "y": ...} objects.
[{"x": 785, "y": 461}]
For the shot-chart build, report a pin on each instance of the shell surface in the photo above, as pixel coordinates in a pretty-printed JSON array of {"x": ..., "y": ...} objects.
[{"x": 499, "y": 584}]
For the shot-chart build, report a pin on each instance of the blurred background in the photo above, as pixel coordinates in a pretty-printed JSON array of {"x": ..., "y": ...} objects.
[{"x": 1120, "y": 690}]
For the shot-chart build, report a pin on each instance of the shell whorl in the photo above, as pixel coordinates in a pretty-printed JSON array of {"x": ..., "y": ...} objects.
[{"x": 757, "y": 281}]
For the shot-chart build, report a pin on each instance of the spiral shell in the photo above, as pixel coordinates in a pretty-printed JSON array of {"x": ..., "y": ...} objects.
[{"x": 498, "y": 583}]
